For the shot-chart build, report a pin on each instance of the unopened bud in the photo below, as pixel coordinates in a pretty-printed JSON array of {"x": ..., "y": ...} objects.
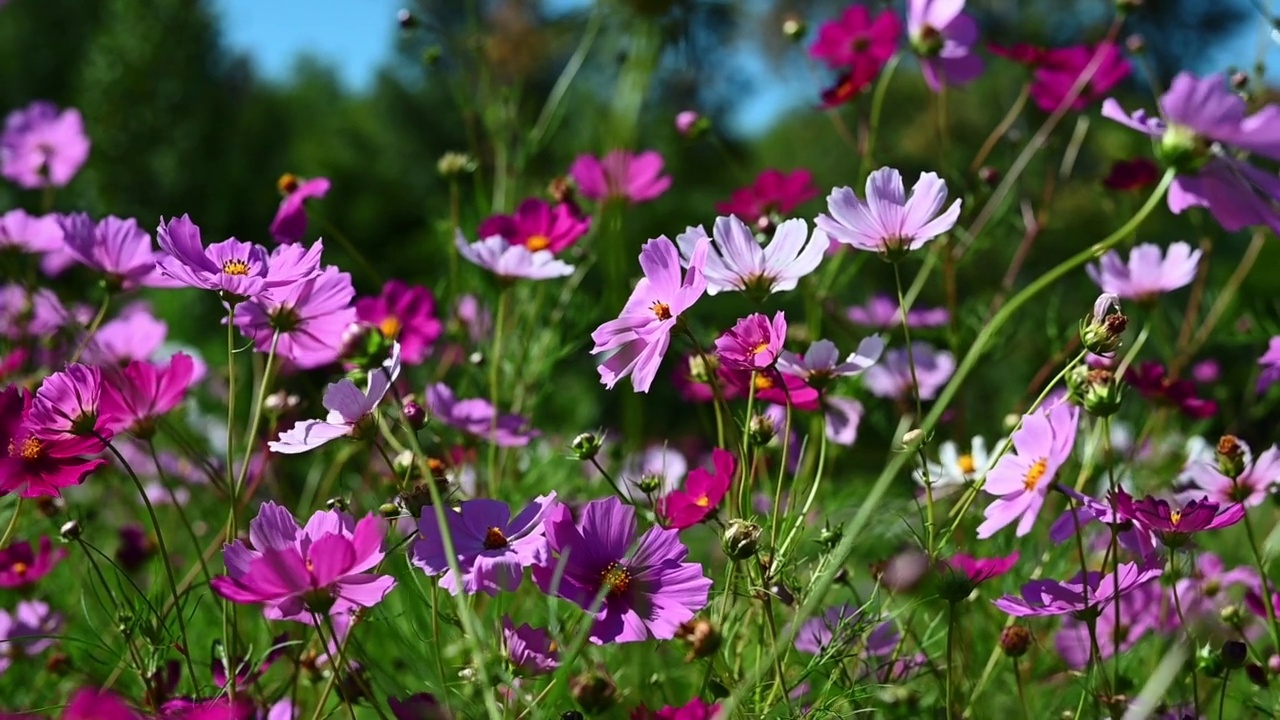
[
  {"x": 830, "y": 536},
  {"x": 760, "y": 430},
  {"x": 794, "y": 28},
  {"x": 389, "y": 511},
  {"x": 418, "y": 497},
  {"x": 338, "y": 503},
  {"x": 1231, "y": 615},
  {"x": 1234, "y": 654},
  {"x": 1256, "y": 674},
  {"x": 413, "y": 413},
  {"x": 71, "y": 531},
  {"x": 702, "y": 638},
  {"x": 1015, "y": 640},
  {"x": 1102, "y": 394},
  {"x": 1101, "y": 332},
  {"x": 586, "y": 446},
  {"x": 649, "y": 484},
  {"x": 703, "y": 367},
  {"x": 594, "y": 691},
  {"x": 988, "y": 175},
  {"x": 911, "y": 437},
  {"x": 1273, "y": 664},
  {"x": 1239, "y": 80},
  {"x": 1230, "y": 456},
  {"x": 406, "y": 19},
  {"x": 453, "y": 164},
  {"x": 741, "y": 539}
]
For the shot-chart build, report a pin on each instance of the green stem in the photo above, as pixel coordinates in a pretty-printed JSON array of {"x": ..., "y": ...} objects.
[
  {"x": 495, "y": 376},
  {"x": 1266, "y": 588},
  {"x": 951, "y": 627},
  {"x": 256, "y": 421},
  {"x": 877, "y": 104},
  {"x": 13, "y": 523},
  {"x": 93, "y": 327}
]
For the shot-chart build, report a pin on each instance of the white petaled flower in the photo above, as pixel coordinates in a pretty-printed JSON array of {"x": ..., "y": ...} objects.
[
  {"x": 509, "y": 261},
  {"x": 737, "y": 262},
  {"x": 955, "y": 470}
]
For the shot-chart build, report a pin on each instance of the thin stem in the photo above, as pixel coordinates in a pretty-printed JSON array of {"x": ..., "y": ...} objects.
[
  {"x": 13, "y": 523},
  {"x": 1022, "y": 695},
  {"x": 906, "y": 338},
  {"x": 1222, "y": 694},
  {"x": 182, "y": 514},
  {"x": 256, "y": 421},
  {"x": 1001, "y": 128},
  {"x": 951, "y": 627},
  {"x": 495, "y": 365},
  {"x": 877, "y": 103},
  {"x": 92, "y": 329},
  {"x": 1177, "y": 606},
  {"x": 1262, "y": 572}
]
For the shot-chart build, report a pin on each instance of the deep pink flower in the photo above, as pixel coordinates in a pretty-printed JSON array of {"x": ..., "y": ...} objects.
[
  {"x": 695, "y": 709},
  {"x": 1270, "y": 362},
  {"x": 753, "y": 343},
  {"x": 406, "y": 314},
  {"x": 686, "y": 121},
  {"x": 1021, "y": 481},
  {"x": 857, "y": 42},
  {"x": 1084, "y": 592},
  {"x": 290, "y": 222},
  {"x": 979, "y": 570},
  {"x": 1061, "y": 68},
  {"x": 772, "y": 386},
  {"x": 422, "y": 706},
  {"x": 639, "y": 338},
  {"x": 847, "y": 87},
  {"x": 491, "y": 547},
  {"x": 22, "y": 566},
  {"x": 887, "y": 221},
  {"x": 1151, "y": 381},
  {"x": 42, "y": 147},
  {"x": 67, "y": 403},
  {"x": 1132, "y": 175},
  {"x": 35, "y": 467},
  {"x": 116, "y": 248},
  {"x": 773, "y": 193},
  {"x": 136, "y": 397},
  {"x": 701, "y": 495},
  {"x": 90, "y": 704},
  {"x": 1148, "y": 274},
  {"x": 310, "y": 317},
  {"x": 620, "y": 174},
  {"x": 1173, "y": 526},
  {"x": 943, "y": 36},
  {"x": 300, "y": 572},
  {"x": 1021, "y": 53},
  {"x": 538, "y": 225}
]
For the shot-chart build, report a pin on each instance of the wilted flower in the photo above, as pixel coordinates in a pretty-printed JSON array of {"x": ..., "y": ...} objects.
[
  {"x": 538, "y": 225},
  {"x": 42, "y": 146},
  {"x": 1021, "y": 481},
  {"x": 492, "y": 548},
  {"x": 943, "y": 36},
  {"x": 1148, "y": 273},
  {"x": 888, "y": 222},
  {"x": 512, "y": 262},
  {"x": 290, "y": 222},
  {"x": 620, "y": 174},
  {"x": 737, "y": 262}
]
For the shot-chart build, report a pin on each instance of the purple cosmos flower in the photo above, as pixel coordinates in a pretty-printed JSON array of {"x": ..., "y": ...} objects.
[
  {"x": 135, "y": 334},
  {"x": 639, "y": 338},
  {"x": 90, "y": 704},
  {"x": 1147, "y": 274},
  {"x": 1251, "y": 488},
  {"x": 299, "y": 572},
  {"x": 753, "y": 343},
  {"x": 42, "y": 147},
  {"x": 33, "y": 234},
  {"x": 737, "y": 262},
  {"x": 891, "y": 377},
  {"x": 1204, "y": 591},
  {"x": 531, "y": 650},
  {"x": 838, "y": 628},
  {"x": 21, "y": 631},
  {"x": 290, "y": 222},
  {"x": 67, "y": 404},
  {"x": 116, "y": 248},
  {"x": 310, "y": 317},
  {"x": 1061, "y": 68},
  {"x": 773, "y": 194},
  {"x": 620, "y": 175},
  {"x": 21, "y": 565},
  {"x": 1174, "y": 526},
  {"x": 38, "y": 467},
  {"x": 821, "y": 363},
  {"x": 538, "y": 225},
  {"x": 406, "y": 314},
  {"x": 36, "y": 314},
  {"x": 701, "y": 495},
  {"x": 348, "y": 408},
  {"x": 422, "y": 706},
  {"x": 648, "y": 591},
  {"x": 492, "y": 547},
  {"x": 1151, "y": 380},
  {"x": 943, "y": 36},
  {"x": 882, "y": 311},
  {"x": 1140, "y": 612},
  {"x": 1021, "y": 481},
  {"x": 1202, "y": 121},
  {"x": 477, "y": 417},
  {"x": 1082, "y": 593},
  {"x": 1134, "y": 537},
  {"x": 231, "y": 266},
  {"x": 843, "y": 416},
  {"x": 136, "y": 397},
  {"x": 512, "y": 262},
  {"x": 855, "y": 41},
  {"x": 889, "y": 222},
  {"x": 1270, "y": 362}
]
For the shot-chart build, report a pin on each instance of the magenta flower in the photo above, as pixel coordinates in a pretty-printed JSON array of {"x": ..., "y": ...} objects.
[
  {"x": 774, "y": 193},
  {"x": 348, "y": 408},
  {"x": 37, "y": 467},
  {"x": 1061, "y": 68},
  {"x": 882, "y": 311},
  {"x": 300, "y": 572},
  {"x": 891, "y": 377},
  {"x": 847, "y": 87},
  {"x": 42, "y": 147},
  {"x": 1140, "y": 613},
  {"x": 1131, "y": 175},
  {"x": 695, "y": 709},
  {"x": 620, "y": 174},
  {"x": 701, "y": 495},
  {"x": 753, "y": 343},
  {"x": 1022, "y": 53},
  {"x": 1148, "y": 274},
  {"x": 888, "y": 222},
  {"x": 67, "y": 404},
  {"x": 492, "y": 548},
  {"x": 686, "y": 120},
  {"x": 116, "y": 248},
  {"x": 1021, "y": 481},
  {"x": 641, "y": 334},
  {"x": 1270, "y": 362},
  {"x": 422, "y": 706},
  {"x": 310, "y": 318},
  {"x": 538, "y": 225},
  {"x": 406, "y": 314},
  {"x": 647, "y": 592},
  {"x": 135, "y": 334},
  {"x": 1200, "y": 122},
  {"x": 979, "y": 570},
  {"x": 31, "y": 234},
  {"x": 1151, "y": 380},
  {"x": 943, "y": 36},
  {"x": 139, "y": 395},
  {"x": 1251, "y": 488},
  {"x": 89, "y": 704},
  {"x": 821, "y": 363},
  {"x": 236, "y": 268},
  {"x": 772, "y": 386},
  {"x": 530, "y": 650},
  {"x": 857, "y": 42},
  {"x": 738, "y": 262},
  {"x": 512, "y": 262},
  {"x": 1173, "y": 527},
  {"x": 839, "y": 628},
  {"x": 290, "y": 222},
  {"x": 477, "y": 417},
  {"x": 21, "y": 565},
  {"x": 1083, "y": 593},
  {"x": 21, "y": 631}
]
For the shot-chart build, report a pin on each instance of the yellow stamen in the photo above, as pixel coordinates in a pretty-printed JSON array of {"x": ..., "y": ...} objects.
[
  {"x": 1174, "y": 517},
  {"x": 537, "y": 242},
  {"x": 661, "y": 310},
  {"x": 759, "y": 348},
  {"x": 28, "y": 448},
  {"x": 390, "y": 327},
  {"x": 20, "y": 568},
  {"x": 235, "y": 267},
  {"x": 287, "y": 183},
  {"x": 966, "y": 464},
  {"x": 616, "y": 577},
  {"x": 1036, "y": 472},
  {"x": 763, "y": 382},
  {"x": 703, "y": 501}
]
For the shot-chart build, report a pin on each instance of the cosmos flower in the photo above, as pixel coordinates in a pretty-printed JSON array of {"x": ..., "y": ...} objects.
[
  {"x": 753, "y": 343},
  {"x": 38, "y": 467},
  {"x": 348, "y": 408},
  {"x": 966, "y": 572},
  {"x": 476, "y": 416},
  {"x": 882, "y": 311},
  {"x": 512, "y": 262},
  {"x": 1140, "y": 612},
  {"x": 773, "y": 194},
  {"x": 1174, "y": 526},
  {"x": 492, "y": 548},
  {"x": 738, "y": 262},
  {"x": 842, "y": 417},
  {"x": 891, "y": 377},
  {"x": 847, "y": 86},
  {"x": 701, "y": 495},
  {"x": 1149, "y": 273},
  {"x": 1151, "y": 380},
  {"x": 530, "y": 650},
  {"x": 310, "y": 318},
  {"x": 954, "y": 469},
  {"x": 856, "y": 41},
  {"x": 117, "y": 248},
  {"x": 695, "y": 709},
  {"x": 888, "y": 222},
  {"x": 405, "y": 314},
  {"x": 22, "y": 565},
  {"x": 1059, "y": 69},
  {"x": 134, "y": 334},
  {"x": 137, "y": 396},
  {"x": 422, "y": 706},
  {"x": 839, "y": 628},
  {"x": 67, "y": 404},
  {"x": 943, "y": 36},
  {"x": 638, "y": 339},
  {"x": 42, "y": 146},
  {"x": 821, "y": 363},
  {"x": 648, "y": 592},
  {"x": 290, "y": 222},
  {"x": 34, "y": 235},
  {"x": 772, "y": 386},
  {"x": 25, "y": 631},
  {"x": 620, "y": 174},
  {"x": 239, "y": 269},
  {"x": 1084, "y": 592},
  {"x": 1021, "y": 481},
  {"x": 1270, "y": 362},
  {"x": 538, "y": 225},
  {"x": 1251, "y": 488}
]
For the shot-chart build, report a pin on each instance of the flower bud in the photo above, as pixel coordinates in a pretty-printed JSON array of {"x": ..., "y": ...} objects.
[
  {"x": 413, "y": 413},
  {"x": 389, "y": 511},
  {"x": 702, "y": 638},
  {"x": 338, "y": 503},
  {"x": 594, "y": 691},
  {"x": 911, "y": 437},
  {"x": 741, "y": 539},
  {"x": 703, "y": 367},
  {"x": 988, "y": 175},
  {"x": 1257, "y": 674},
  {"x": 1230, "y": 456},
  {"x": 406, "y": 19},
  {"x": 71, "y": 531},
  {"x": 1273, "y": 664},
  {"x": 1231, "y": 615},
  {"x": 760, "y": 430},
  {"x": 453, "y": 164},
  {"x": 794, "y": 28},
  {"x": 586, "y": 446},
  {"x": 1209, "y": 662},
  {"x": 1015, "y": 640},
  {"x": 1101, "y": 332},
  {"x": 1234, "y": 654},
  {"x": 830, "y": 536},
  {"x": 1102, "y": 393},
  {"x": 649, "y": 484},
  {"x": 686, "y": 121}
]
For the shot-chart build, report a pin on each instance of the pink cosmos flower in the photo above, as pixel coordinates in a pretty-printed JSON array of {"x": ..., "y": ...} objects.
[
  {"x": 67, "y": 404},
  {"x": 1060, "y": 69},
  {"x": 231, "y": 266},
  {"x": 1148, "y": 274},
  {"x": 772, "y": 386},
  {"x": 310, "y": 317},
  {"x": 1084, "y": 592},
  {"x": 538, "y": 225},
  {"x": 35, "y": 315},
  {"x": 1140, "y": 612},
  {"x": 892, "y": 376},
  {"x": 26, "y": 631},
  {"x": 300, "y": 572},
  {"x": 753, "y": 343},
  {"x": 882, "y": 311},
  {"x": 979, "y": 570},
  {"x": 405, "y": 314},
  {"x": 738, "y": 262},
  {"x": 821, "y": 363},
  {"x": 1131, "y": 175},
  {"x": 943, "y": 36},
  {"x": 1174, "y": 526},
  {"x": 889, "y": 222},
  {"x": 135, "y": 334},
  {"x": 33, "y": 234},
  {"x": 620, "y": 174},
  {"x": 492, "y": 548},
  {"x": 1270, "y": 362},
  {"x": 1251, "y": 488},
  {"x": 1021, "y": 53},
  {"x": 23, "y": 566},
  {"x": 695, "y": 709},
  {"x": 90, "y": 704},
  {"x": 36, "y": 467},
  {"x": 1021, "y": 481},
  {"x": 639, "y": 338},
  {"x": 847, "y": 87},
  {"x": 136, "y": 397},
  {"x": 701, "y": 495},
  {"x": 290, "y": 222},
  {"x": 348, "y": 408},
  {"x": 422, "y": 706},
  {"x": 856, "y": 41},
  {"x": 116, "y": 248},
  {"x": 774, "y": 193},
  {"x": 512, "y": 262},
  {"x": 476, "y": 416},
  {"x": 42, "y": 147},
  {"x": 843, "y": 416},
  {"x": 530, "y": 650}
]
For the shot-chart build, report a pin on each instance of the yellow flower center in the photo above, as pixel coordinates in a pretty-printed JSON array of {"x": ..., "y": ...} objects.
[
  {"x": 287, "y": 183},
  {"x": 20, "y": 568},
  {"x": 759, "y": 348},
  {"x": 616, "y": 577},
  {"x": 494, "y": 539},
  {"x": 537, "y": 242},
  {"x": 763, "y": 382},
  {"x": 966, "y": 464},
  {"x": 703, "y": 501},
  {"x": 1036, "y": 472},
  {"x": 661, "y": 310},
  {"x": 27, "y": 449},
  {"x": 390, "y": 327},
  {"x": 235, "y": 267},
  {"x": 1174, "y": 517}
]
